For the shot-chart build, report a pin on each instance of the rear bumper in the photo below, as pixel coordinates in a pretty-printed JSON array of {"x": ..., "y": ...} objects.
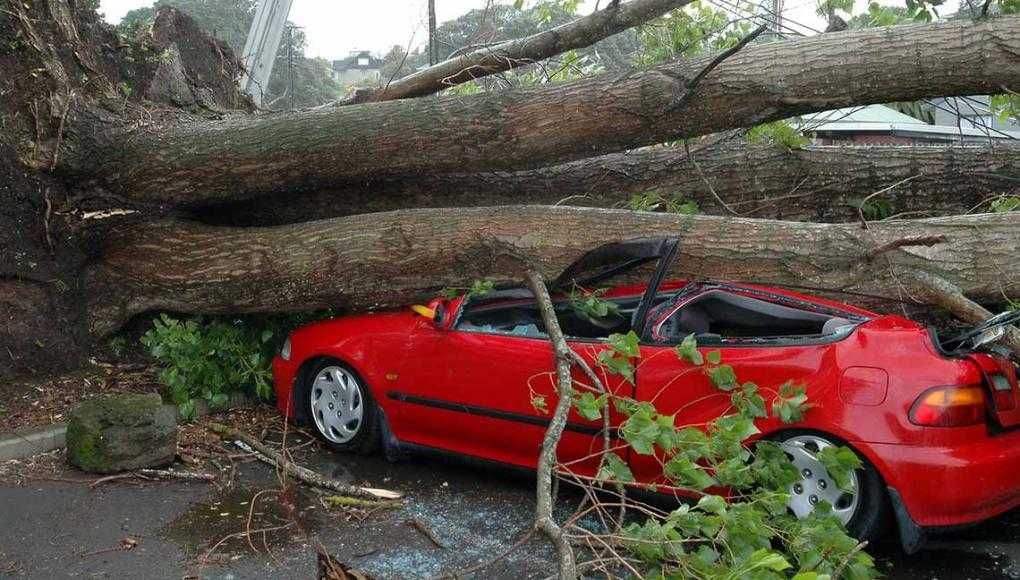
[
  {"x": 284, "y": 375},
  {"x": 952, "y": 486}
]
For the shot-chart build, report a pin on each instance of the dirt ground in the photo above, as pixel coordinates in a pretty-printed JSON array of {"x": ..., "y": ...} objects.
[
  {"x": 27, "y": 404},
  {"x": 60, "y": 523}
]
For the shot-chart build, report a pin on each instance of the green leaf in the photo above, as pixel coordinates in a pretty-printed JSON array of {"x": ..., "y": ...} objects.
[
  {"x": 625, "y": 344},
  {"x": 617, "y": 365},
  {"x": 688, "y": 350},
  {"x": 538, "y": 402},
  {"x": 614, "y": 468},
  {"x": 714, "y": 357},
  {"x": 187, "y": 409},
  {"x": 218, "y": 400},
  {"x": 686, "y": 473},
  {"x": 840, "y": 462},
  {"x": 589, "y": 406},
  {"x": 640, "y": 430},
  {"x": 712, "y": 504},
  {"x": 723, "y": 377},
  {"x": 769, "y": 559},
  {"x": 791, "y": 404}
]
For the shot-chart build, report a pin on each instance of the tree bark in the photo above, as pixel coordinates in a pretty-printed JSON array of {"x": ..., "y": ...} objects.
[
  {"x": 233, "y": 159},
  {"x": 489, "y": 60},
  {"x": 545, "y": 496},
  {"x": 823, "y": 184},
  {"x": 395, "y": 258}
]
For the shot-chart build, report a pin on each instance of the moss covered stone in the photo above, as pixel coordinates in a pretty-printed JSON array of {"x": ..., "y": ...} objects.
[{"x": 112, "y": 434}]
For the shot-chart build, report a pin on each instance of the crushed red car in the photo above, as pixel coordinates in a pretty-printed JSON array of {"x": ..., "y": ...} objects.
[{"x": 934, "y": 419}]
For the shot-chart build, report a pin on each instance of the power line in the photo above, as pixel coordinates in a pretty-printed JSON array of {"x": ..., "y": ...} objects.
[{"x": 735, "y": 9}]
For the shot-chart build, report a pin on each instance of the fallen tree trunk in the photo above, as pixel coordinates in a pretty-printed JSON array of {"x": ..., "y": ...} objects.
[
  {"x": 489, "y": 60},
  {"x": 234, "y": 159},
  {"x": 395, "y": 258},
  {"x": 824, "y": 184}
]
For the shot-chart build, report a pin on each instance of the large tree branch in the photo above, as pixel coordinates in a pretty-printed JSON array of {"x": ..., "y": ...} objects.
[
  {"x": 394, "y": 258},
  {"x": 546, "y": 469},
  {"x": 943, "y": 294},
  {"x": 822, "y": 184},
  {"x": 522, "y": 128},
  {"x": 489, "y": 60}
]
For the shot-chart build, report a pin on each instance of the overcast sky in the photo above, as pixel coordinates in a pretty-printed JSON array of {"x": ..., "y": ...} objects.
[{"x": 336, "y": 27}]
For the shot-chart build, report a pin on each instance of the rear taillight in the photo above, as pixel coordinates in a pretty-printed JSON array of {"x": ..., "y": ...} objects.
[{"x": 949, "y": 407}]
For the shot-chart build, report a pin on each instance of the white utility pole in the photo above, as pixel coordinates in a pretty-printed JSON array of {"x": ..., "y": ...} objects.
[
  {"x": 772, "y": 11},
  {"x": 261, "y": 46}
]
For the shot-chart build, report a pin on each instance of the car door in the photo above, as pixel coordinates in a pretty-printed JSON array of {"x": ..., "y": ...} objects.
[
  {"x": 681, "y": 388},
  {"x": 490, "y": 395}
]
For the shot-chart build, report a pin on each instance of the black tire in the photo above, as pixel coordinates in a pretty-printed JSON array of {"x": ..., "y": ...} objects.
[
  {"x": 870, "y": 520},
  {"x": 368, "y": 434}
]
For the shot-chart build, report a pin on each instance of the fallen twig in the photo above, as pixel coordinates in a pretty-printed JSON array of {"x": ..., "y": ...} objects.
[
  {"x": 273, "y": 457},
  {"x": 124, "y": 545},
  {"x": 425, "y": 531},
  {"x": 150, "y": 473},
  {"x": 344, "y": 501}
]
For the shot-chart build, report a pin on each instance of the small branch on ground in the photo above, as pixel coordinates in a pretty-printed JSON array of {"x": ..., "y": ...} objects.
[
  {"x": 419, "y": 525},
  {"x": 125, "y": 544},
  {"x": 273, "y": 457},
  {"x": 145, "y": 474},
  {"x": 345, "y": 501}
]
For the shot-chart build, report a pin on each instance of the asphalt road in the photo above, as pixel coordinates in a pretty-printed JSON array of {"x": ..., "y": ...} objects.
[{"x": 66, "y": 530}]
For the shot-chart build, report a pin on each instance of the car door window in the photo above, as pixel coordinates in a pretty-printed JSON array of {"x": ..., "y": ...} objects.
[
  {"x": 721, "y": 314},
  {"x": 522, "y": 318}
]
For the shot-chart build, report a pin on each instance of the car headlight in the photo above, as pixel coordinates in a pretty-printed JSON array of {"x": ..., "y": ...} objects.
[{"x": 285, "y": 351}]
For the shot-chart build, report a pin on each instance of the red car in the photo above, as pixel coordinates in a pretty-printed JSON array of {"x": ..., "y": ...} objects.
[{"x": 934, "y": 419}]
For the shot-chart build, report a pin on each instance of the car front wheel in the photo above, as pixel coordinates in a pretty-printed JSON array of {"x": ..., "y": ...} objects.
[
  {"x": 861, "y": 505},
  {"x": 339, "y": 405}
]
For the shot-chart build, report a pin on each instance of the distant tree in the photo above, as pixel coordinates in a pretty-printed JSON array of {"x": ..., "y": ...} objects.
[
  {"x": 399, "y": 63},
  {"x": 879, "y": 15},
  {"x": 229, "y": 21}
]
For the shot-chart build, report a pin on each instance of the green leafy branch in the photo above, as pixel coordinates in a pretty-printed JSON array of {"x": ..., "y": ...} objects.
[{"x": 740, "y": 526}]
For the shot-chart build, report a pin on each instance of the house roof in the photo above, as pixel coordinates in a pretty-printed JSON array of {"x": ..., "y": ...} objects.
[
  {"x": 868, "y": 114},
  {"x": 882, "y": 119},
  {"x": 354, "y": 62}
]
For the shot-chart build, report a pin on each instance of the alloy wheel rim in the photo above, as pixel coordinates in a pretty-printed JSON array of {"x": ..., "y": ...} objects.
[
  {"x": 337, "y": 404},
  {"x": 816, "y": 485}
]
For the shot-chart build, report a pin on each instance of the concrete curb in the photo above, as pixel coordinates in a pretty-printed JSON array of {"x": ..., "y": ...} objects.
[{"x": 28, "y": 442}]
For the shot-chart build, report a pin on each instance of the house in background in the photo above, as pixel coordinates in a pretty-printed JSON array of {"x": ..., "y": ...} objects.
[
  {"x": 882, "y": 125},
  {"x": 360, "y": 68},
  {"x": 973, "y": 112}
]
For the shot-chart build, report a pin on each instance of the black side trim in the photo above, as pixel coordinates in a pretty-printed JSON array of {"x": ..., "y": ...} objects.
[{"x": 487, "y": 412}]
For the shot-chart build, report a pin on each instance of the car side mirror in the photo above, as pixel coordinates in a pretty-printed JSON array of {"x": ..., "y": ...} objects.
[
  {"x": 441, "y": 310},
  {"x": 437, "y": 311}
]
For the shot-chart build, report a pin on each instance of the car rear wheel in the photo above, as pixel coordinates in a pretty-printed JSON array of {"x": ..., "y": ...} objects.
[
  {"x": 861, "y": 506},
  {"x": 339, "y": 404}
]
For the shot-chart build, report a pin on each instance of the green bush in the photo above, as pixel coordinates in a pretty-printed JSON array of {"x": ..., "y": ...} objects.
[{"x": 209, "y": 359}]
